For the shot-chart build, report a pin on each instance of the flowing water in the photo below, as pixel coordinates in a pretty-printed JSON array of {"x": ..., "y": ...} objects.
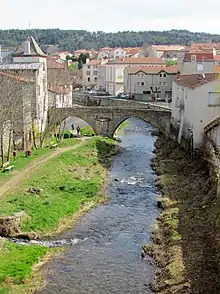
[{"x": 107, "y": 260}]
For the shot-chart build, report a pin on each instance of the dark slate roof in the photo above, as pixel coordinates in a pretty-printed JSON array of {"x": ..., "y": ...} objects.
[{"x": 35, "y": 49}]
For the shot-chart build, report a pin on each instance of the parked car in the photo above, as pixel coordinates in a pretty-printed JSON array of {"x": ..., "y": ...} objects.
[
  {"x": 92, "y": 92},
  {"x": 119, "y": 95}
]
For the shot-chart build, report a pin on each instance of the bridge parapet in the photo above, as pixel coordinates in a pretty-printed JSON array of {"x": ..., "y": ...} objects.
[{"x": 111, "y": 101}]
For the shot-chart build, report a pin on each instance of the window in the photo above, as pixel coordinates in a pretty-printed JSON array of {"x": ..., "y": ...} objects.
[
  {"x": 164, "y": 83},
  {"x": 88, "y": 73},
  {"x": 95, "y": 79},
  {"x": 88, "y": 66},
  {"x": 95, "y": 72},
  {"x": 161, "y": 75},
  {"x": 88, "y": 79},
  {"x": 142, "y": 83},
  {"x": 193, "y": 58},
  {"x": 138, "y": 83},
  {"x": 164, "y": 75}
]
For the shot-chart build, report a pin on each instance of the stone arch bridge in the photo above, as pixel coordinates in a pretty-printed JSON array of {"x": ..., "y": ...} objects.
[{"x": 105, "y": 120}]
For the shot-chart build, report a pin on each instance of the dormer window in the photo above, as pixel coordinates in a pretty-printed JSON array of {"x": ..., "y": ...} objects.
[{"x": 193, "y": 58}]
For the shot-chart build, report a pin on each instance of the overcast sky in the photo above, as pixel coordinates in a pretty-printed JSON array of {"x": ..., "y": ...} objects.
[{"x": 111, "y": 16}]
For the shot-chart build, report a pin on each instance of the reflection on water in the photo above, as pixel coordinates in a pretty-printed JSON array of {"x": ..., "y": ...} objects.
[{"x": 108, "y": 261}]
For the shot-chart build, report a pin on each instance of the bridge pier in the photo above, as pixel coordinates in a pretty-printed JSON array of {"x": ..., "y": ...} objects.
[{"x": 102, "y": 127}]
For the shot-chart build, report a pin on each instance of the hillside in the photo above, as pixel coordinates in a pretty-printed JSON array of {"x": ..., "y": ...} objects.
[{"x": 76, "y": 39}]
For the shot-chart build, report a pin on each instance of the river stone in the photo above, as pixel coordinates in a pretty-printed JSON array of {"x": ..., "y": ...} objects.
[{"x": 10, "y": 225}]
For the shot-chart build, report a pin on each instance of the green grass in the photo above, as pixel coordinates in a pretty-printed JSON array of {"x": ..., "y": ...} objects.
[
  {"x": 122, "y": 126},
  {"x": 87, "y": 131},
  {"x": 16, "y": 261},
  {"x": 82, "y": 172},
  {"x": 22, "y": 161},
  {"x": 79, "y": 169}
]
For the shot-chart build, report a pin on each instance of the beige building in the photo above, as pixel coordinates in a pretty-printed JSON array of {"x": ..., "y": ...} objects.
[
  {"x": 90, "y": 73},
  {"x": 111, "y": 75},
  {"x": 61, "y": 96},
  {"x": 197, "y": 62},
  {"x": 195, "y": 104},
  {"x": 143, "y": 81},
  {"x": 168, "y": 52}
]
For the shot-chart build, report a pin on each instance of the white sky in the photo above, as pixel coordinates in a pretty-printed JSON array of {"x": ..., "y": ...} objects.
[{"x": 111, "y": 16}]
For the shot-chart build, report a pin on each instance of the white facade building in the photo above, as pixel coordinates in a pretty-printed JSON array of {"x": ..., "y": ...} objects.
[
  {"x": 195, "y": 104},
  {"x": 117, "y": 53}
]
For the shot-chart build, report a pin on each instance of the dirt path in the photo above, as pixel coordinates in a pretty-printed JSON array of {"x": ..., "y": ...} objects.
[{"x": 21, "y": 175}]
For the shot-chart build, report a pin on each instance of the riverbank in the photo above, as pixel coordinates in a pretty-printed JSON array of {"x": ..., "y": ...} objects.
[
  {"x": 55, "y": 196},
  {"x": 183, "y": 239}
]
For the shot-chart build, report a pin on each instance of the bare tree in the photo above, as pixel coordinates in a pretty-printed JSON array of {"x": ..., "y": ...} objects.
[
  {"x": 15, "y": 112},
  {"x": 60, "y": 85}
]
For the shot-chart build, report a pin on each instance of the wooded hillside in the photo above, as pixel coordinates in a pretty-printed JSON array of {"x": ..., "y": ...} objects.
[{"x": 76, "y": 39}]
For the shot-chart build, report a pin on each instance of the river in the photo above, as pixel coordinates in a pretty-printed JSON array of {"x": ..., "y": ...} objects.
[{"x": 108, "y": 260}]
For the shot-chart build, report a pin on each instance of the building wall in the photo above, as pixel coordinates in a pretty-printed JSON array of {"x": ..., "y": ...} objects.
[
  {"x": 60, "y": 100},
  {"x": 141, "y": 82},
  {"x": 198, "y": 111},
  {"x": 113, "y": 76},
  {"x": 41, "y": 96},
  {"x": 90, "y": 75},
  {"x": 103, "y": 54},
  {"x": 117, "y": 53},
  {"x": 191, "y": 67}
]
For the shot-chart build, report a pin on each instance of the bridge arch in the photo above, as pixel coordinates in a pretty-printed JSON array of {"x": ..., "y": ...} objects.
[
  {"x": 105, "y": 120},
  {"x": 129, "y": 117},
  {"x": 76, "y": 121}
]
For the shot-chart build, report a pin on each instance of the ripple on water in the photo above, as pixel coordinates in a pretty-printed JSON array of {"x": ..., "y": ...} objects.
[{"x": 109, "y": 260}]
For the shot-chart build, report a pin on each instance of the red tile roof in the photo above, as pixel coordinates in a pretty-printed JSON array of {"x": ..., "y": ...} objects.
[
  {"x": 144, "y": 60},
  {"x": 192, "y": 80},
  {"x": 168, "y": 47},
  {"x": 217, "y": 57},
  {"x": 152, "y": 70},
  {"x": 16, "y": 77},
  {"x": 52, "y": 63},
  {"x": 201, "y": 56},
  {"x": 60, "y": 90},
  {"x": 94, "y": 62}
]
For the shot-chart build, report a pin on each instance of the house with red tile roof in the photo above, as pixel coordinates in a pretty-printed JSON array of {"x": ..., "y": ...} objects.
[
  {"x": 112, "y": 73},
  {"x": 164, "y": 51},
  {"x": 141, "y": 80},
  {"x": 195, "y": 104},
  {"x": 195, "y": 59},
  {"x": 91, "y": 72}
]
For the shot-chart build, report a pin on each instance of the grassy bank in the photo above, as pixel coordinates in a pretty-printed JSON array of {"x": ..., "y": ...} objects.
[
  {"x": 183, "y": 238},
  {"x": 87, "y": 131},
  {"x": 121, "y": 127},
  {"x": 70, "y": 184},
  {"x": 21, "y": 161}
]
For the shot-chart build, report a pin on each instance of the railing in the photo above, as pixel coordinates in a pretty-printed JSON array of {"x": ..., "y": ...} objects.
[{"x": 113, "y": 101}]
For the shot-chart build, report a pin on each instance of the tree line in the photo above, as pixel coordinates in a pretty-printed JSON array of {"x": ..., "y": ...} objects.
[{"x": 80, "y": 39}]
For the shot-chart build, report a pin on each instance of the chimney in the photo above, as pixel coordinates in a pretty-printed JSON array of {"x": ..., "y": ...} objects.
[{"x": 27, "y": 48}]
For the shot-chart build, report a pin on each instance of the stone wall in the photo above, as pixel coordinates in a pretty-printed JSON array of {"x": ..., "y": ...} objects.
[{"x": 105, "y": 120}]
